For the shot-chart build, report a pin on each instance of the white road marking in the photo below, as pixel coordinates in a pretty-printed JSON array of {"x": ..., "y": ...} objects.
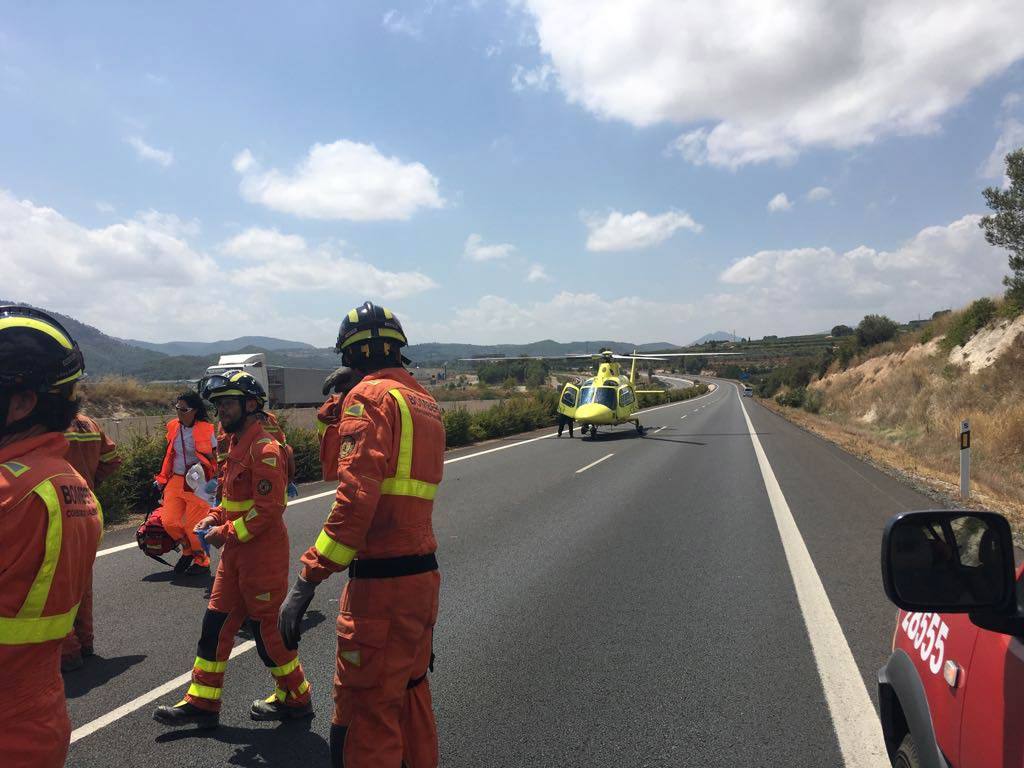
[
  {"x": 499, "y": 448},
  {"x": 594, "y": 464},
  {"x": 682, "y": 417},
  {"x": 853, "y": 716},
  {"x": 660, "y": 428},
  {"x": 118, "y": 548},
  {"x": 137, "y": 703}
]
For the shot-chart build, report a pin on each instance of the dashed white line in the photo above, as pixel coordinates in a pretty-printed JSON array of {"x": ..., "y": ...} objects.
[
  {"x": 594, "y": 463},
  {"x": 659, "y": 429},
  {"x": 853, "y": 715}
]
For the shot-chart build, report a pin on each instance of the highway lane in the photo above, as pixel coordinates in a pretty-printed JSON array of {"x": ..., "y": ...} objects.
[{"x": 641, "y": 611}]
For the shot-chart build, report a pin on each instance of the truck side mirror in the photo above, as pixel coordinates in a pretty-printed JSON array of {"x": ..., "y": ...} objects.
[{"x": 950, "y": 561}]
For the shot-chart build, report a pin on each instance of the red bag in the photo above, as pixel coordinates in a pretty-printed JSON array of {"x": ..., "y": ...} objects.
[{"x": 153, "y": 539}]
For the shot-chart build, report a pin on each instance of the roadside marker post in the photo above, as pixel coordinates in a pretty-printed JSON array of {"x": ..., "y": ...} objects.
[{"x": 965, "y": 459}]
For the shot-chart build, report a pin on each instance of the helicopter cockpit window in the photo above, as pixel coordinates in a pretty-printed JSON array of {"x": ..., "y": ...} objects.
[
  {"x": 606, "y": 396},
  {"x": 626, "y": 396}
]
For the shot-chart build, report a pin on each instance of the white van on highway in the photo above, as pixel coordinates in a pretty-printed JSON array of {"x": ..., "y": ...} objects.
[{"x": 748, "y": 391}]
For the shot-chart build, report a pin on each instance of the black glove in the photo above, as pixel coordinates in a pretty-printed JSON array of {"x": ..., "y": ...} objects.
[
  {"x": 292, "y": 610},
  {"x": 341, "y": 381}
]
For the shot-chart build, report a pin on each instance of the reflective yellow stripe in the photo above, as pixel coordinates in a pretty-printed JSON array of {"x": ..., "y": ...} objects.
[
  {"x": 386, "y": 333},
  {"x": 110, "y": 456},
  {"x": 230, "y": 505},
  {"x": 204, "y": 692},
  {"x": 82, "y": 437},
  {"x": 333, "y": 550},
  {"x": 353, "y": 315},
  {"x": 240, "y": 530},
  {"x": 37, "y": 630},
  {"x": 421, "y": 490},
  {"x": 321, "y": 428},
  {"x": 387, "y": 314},
  {"x": 285, "y": 669},
  {"x": 404, "y": 469},
  {"x": 72, "y": 377},
  {"x": 32, "y": 608},
  {"x": 210, "y": 666},
  {"x": 279, "y": 694},
  {"x": 227, "y": 393},
  {"x": 37, "y": 325},
  {"x": 303, "y": 688}
]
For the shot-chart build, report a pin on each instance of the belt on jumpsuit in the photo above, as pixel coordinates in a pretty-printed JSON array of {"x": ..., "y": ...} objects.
[{"x": 391, "y": 567}]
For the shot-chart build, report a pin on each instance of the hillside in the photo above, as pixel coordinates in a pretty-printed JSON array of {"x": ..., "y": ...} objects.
[
  {"x": 901, "y": 404},
  {"x": 218, "y": 347},
  {"x": 435, "y": 352}
]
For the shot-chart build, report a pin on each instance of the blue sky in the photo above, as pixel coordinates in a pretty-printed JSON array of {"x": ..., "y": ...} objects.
[{"x": 504, "y": 171}]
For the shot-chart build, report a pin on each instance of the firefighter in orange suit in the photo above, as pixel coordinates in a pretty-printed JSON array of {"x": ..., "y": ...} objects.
[
  {"x": 50, "y": 526},
  {"x": 390, "y": 463},
  {"x": 252, "y": 575},
  {"x": 190, "y": 440},
  {"x": 94, "y": 456}
]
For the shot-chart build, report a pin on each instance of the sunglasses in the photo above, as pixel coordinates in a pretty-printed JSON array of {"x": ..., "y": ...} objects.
[{"x": 179, "y": 409}]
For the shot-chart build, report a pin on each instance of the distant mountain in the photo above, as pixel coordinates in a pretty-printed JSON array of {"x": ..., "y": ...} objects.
[
  {"x": 219, "y": 347},
  {"x": 716, "y": 336},
  {"x": 436, "y": 353},
  {"x": 103, "y": 354}
]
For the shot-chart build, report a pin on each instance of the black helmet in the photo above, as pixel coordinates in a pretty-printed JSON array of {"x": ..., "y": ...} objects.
[
  {"x": 375, "y": 329},
  {"x": 36, "y": 352},
  {"x": 232, "y": 383}
]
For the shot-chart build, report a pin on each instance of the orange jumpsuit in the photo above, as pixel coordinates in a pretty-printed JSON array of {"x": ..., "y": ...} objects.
[
  {"x": 328, "y": 418},
  {"x": 50, "y": 527},
  {"x": 252, "y": 575},
  {"x": 183, "y": 509},
  {"x": 391, "y": 458},
  {"x": 94, "y": 456}
]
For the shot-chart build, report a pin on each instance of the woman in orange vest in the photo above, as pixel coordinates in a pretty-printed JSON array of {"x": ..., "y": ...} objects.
[{"x": 190, "y": 439}]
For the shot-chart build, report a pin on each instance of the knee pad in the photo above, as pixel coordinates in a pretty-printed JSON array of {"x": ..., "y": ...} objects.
[
  {"x": 261, "y": 648},
  {"x": 338, "y": 745},
  {"x": 213, "y": 622}
]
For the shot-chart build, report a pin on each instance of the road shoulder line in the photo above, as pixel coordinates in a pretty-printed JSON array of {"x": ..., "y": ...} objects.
[{"x": 853, "y": 716}]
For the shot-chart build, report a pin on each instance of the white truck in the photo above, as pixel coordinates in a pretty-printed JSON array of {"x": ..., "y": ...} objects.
[{"x": 285, "y": 387}]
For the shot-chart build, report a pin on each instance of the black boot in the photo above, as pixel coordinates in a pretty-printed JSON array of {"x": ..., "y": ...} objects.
[
  {"x": 183, "y": 564},
  {"x": 271, "y": 708},
  {"x": 183, "y": 713}
]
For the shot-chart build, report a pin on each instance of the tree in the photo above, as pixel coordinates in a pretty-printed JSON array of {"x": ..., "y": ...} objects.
[
  {"x": 874, "y": 329},
  {"x": 1005, "y": 226},
  {"x": 841, "y": 330}
]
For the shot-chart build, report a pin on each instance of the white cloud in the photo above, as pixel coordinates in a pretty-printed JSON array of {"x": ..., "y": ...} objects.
[
  {"x": 143, "y": 278},
  {"x": 343, "y": 180},
  {"x": 567, "y": 316},
  {"x": 1010, "y": 138},
  {"x": 161, "y": 157},
  {"x": 475, "y": 250},
  {"x": 819, "y": 194},
  {"x": 633, "y": 231},
  {"x": 395, "y": 22},
  {"x": 537, "y": 274},
  {"x": 104, "y": 207},
  {"x": 803, "y": 289},
  {"x": 764, "y": 80},
  {"x": 289, "y": 263},
  {"x": 780, "y": 203},
  {"x": 539, "y": 78}
]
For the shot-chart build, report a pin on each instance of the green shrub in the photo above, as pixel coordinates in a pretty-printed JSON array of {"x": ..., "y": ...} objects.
[
  {"x": 812, "y": 401},
  {"x": 130, "y": 489},
  {"x": 874, "y": 329},
  {"x": 457, "y": 422},
  {"x": 794, "y": 398},
  {"x": 969, "y": 322},
  {"x": 306, "y": 446}
]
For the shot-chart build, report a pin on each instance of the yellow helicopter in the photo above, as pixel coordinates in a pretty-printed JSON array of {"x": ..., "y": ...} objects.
[{"x": 609, "y": 398}]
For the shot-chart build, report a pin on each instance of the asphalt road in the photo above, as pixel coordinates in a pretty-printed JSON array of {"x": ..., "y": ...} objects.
[{"x": 621, "y": 601}]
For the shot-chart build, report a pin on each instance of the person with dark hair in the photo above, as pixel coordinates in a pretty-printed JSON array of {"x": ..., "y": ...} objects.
[
  {"x": 50, "y": 527},
  {"x": 190, "y": 440},
  {"x": 390, "y": 459}
]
